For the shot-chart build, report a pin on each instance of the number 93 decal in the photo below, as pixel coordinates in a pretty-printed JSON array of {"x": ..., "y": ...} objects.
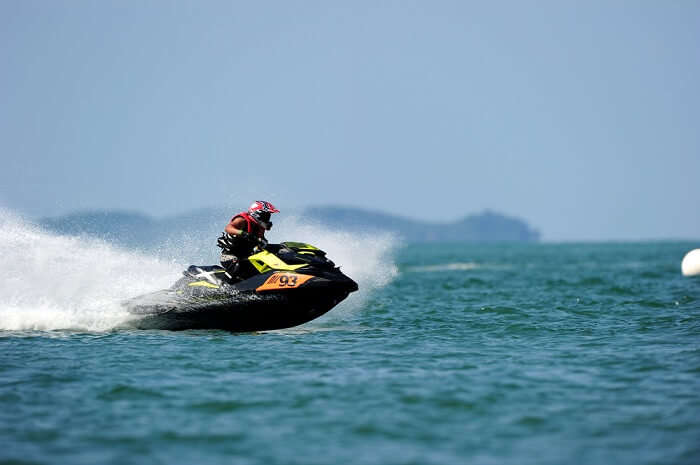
[{"x": 283, "y": 281}]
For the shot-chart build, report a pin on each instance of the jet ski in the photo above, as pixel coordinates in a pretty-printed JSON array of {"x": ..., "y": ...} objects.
[{"x": 289, "y": 284}]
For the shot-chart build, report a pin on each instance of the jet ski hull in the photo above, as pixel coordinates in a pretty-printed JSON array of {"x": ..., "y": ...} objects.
[{"x": 263, "y": 302}]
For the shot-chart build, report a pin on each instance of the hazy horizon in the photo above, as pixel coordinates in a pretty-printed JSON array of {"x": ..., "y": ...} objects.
[
  {"x": 580, "y": 119},
  {"x": 294, "y": 215}
]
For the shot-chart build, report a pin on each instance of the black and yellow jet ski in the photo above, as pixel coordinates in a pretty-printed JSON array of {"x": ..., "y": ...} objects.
[{"x": 291, "y": 283}]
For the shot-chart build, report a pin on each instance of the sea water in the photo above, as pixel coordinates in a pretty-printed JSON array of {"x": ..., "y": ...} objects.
[{"x": 449, "y": 354}]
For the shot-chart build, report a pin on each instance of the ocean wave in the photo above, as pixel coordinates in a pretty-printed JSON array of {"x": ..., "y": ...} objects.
[{"x": 459, "y": 266}]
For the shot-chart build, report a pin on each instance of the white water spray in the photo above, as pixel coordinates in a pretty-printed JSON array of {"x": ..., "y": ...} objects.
[
  {"x": 50, "y": 282},
  {"x": 366, "y": 258}
]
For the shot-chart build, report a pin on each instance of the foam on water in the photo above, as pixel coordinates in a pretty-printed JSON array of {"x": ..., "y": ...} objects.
[
  {"x": 54, "y": 282},
  {"x": 461, "y": 266}
]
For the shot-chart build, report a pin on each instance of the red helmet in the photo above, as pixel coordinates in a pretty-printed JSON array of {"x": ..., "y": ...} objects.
[{"x": 260, "y": 211}]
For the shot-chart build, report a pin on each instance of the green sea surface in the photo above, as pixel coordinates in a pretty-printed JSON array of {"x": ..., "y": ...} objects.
[{"x": 472, "y": 354}]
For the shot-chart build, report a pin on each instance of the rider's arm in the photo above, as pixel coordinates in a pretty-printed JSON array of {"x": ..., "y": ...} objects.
[{"x": 236, "y": 226}]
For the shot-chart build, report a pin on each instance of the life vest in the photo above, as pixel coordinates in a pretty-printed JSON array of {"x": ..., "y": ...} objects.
[{"x": 253, "y": 226}]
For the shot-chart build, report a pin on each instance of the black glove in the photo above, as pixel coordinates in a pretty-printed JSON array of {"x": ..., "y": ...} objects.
[
  {"x": 257, "y": 240},
  {"x": 225, "y": 241}
]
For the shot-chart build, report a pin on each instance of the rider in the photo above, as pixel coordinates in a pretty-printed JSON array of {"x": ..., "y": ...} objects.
[{"x": 243, "y": 234}]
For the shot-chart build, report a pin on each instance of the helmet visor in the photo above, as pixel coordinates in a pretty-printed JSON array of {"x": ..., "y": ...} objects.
[{"x": 263, "y": 218}]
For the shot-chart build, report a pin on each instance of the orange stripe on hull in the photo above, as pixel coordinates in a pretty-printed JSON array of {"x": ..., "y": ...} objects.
[{"x": 281, "y": 281}]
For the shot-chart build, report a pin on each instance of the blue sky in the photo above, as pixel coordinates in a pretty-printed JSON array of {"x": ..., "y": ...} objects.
[{"x": 580, "y": 117}]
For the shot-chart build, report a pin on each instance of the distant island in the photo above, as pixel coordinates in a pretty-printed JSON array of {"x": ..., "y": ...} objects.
[
  {"x": 487, "y": 226},
  {"x": 130, "y": 228}
]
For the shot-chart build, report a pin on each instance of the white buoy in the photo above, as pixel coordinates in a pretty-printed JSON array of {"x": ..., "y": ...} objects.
[{"x": 690, "y": 266}]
